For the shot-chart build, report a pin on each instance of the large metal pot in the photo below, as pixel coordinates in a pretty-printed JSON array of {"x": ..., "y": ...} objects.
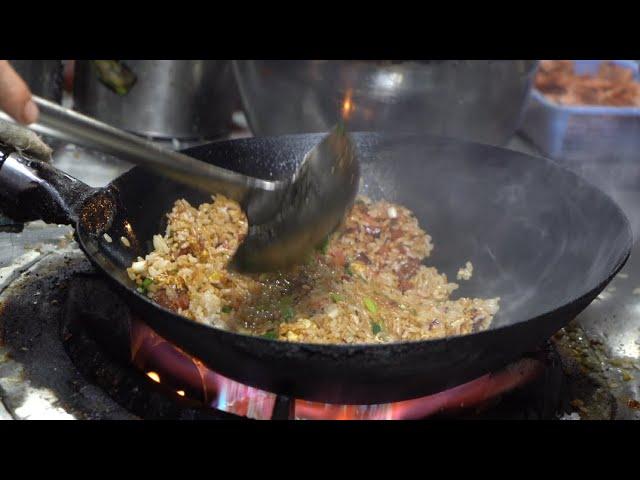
[
  {"x": 182, "y": 99},
  {"x": 481, "y": 100}
]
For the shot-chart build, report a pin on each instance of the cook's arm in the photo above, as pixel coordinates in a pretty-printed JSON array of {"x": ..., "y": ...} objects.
[
  {"x": 15, "y": 100},
  {"x": 15, "y": 96}
]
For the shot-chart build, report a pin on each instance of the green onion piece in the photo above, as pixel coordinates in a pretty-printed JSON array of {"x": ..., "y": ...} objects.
[
  {"x": 271, "y": 334},
  {"x": 287, "y": 313},
  {"x": 375, "y": 328},
  {"x": 324, "y": 246},
  {"x": 226, "y": 309},
  {"x": 144, "y": 287},
  {"x": 370, "y": 305},
  {"x": 347, "y": 268},
  {"x": 336, "y": 298},
  {"x": 286, "y": 301},
  {"x": 309, "y": 259}
]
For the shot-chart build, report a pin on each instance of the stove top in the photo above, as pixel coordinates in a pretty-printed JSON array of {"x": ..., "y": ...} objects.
[{"x": 51, "y": 367}]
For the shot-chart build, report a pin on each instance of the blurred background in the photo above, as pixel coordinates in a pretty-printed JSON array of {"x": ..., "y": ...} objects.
[
  {"x": 196, "y": 99},
  {"x": 572, "y": 111},
  {"x": 584, "y": 113}
]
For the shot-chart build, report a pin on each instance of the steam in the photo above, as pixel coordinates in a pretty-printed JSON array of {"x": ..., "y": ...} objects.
[
  {"x": 539, "y": 238},
  {"x": 618, "y": 178}
]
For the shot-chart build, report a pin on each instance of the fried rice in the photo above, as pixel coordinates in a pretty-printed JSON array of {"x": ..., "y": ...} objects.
[{"x": 366, "y": 284}]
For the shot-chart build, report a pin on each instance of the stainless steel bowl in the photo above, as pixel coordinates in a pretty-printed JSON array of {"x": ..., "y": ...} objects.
[
  {"x": 182, "y": 99},
  {"x": 481, "y": 100}
]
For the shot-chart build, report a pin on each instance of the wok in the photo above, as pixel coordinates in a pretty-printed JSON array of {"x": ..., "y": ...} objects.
[{"x": 541, "y": 238}]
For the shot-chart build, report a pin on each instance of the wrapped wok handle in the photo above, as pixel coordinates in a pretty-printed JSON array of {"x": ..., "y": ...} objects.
[{"x": 35, "y": 190}]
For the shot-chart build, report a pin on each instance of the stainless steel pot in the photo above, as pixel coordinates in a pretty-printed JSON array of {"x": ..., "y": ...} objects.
[
  {"x": 182, "y": 99},
  {"x": 481, "y": 100},
  {"x": 44, "y": 77}
]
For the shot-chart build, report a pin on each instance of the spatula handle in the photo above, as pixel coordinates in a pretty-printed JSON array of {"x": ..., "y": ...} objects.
[{"x": 71, "y": 126}]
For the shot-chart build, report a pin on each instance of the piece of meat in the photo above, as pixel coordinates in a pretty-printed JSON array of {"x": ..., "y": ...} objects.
[
  {"x": 174, "y": 302},
  {"x": 406, "y": 272},
  {"x": 395, "y": 234},
  {"x": 373, "y": 230},
  {"x": 362, "y": 257},
  {"x": 337, "y": 258},
  {"x": 613, "y": 85}
]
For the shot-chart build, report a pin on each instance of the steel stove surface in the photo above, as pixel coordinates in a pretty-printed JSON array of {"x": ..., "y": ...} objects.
[{"x": 39, "y": 379}]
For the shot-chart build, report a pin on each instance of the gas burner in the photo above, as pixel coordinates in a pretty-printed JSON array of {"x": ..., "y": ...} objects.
[
  {"x": 74, "y": 350},
  {"x": 103, "y": 331},
  {"x": 103, "y": 338}
]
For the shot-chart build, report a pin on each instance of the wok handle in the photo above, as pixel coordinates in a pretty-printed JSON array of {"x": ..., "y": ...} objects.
[{"x": 35, "y": 190}]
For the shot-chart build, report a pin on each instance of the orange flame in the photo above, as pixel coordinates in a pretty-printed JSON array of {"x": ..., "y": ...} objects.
[
  {"x": 347, "y": 105},
  {"x": 180, "y": 369}
]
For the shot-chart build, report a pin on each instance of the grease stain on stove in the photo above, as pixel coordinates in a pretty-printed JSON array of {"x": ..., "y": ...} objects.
[
  {"x": 40, "y": 381},
  {"x": 605, "y": 376}
]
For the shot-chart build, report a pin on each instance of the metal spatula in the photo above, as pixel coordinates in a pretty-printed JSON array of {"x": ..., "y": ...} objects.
[{"x": 287, "y": 218}]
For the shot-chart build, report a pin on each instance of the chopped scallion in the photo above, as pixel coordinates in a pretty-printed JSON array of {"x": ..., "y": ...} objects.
[
  {"x": 370, "y": 305},
  {"x": 144, "y": 287},
  {"x": 324, "y": 246},
  {"x": 336, "y": 298},
  {"x": 287, "y": 313}
]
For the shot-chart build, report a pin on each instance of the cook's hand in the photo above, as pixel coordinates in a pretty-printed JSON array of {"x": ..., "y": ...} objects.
[{"x": 15, "y": 96}]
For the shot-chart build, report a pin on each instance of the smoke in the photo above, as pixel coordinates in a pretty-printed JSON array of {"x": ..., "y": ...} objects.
[
  {"x": 617, "y": 177},
  {"x": 538, "y": 236}
]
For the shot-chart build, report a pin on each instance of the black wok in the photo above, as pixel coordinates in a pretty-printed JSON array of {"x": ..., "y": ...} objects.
[{"x": 539, "y": 237}]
